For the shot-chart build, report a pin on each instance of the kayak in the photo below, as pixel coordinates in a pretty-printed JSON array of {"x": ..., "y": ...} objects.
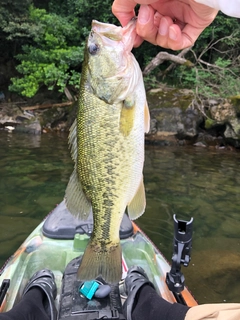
[{"x": 58, "y": 243}]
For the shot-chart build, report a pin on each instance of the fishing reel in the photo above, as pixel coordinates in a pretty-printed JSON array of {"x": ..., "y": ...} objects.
[{"x": 182, "y": 245}]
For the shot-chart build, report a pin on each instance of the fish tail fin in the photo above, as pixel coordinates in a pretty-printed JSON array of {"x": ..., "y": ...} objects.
[{"x": 107, "y": 263}]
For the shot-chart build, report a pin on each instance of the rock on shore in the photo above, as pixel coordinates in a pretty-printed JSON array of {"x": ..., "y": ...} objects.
[{"x": 177, "y": 117}]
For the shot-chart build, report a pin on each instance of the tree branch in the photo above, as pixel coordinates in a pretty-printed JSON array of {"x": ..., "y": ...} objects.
[{"x": 163, "y": 56}]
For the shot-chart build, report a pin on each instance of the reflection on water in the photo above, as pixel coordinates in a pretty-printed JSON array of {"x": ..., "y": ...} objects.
[
  {"x": 189, "y": 182},
  {"x": 34, "y": 171},
  {"x": 205, "y": 185}
]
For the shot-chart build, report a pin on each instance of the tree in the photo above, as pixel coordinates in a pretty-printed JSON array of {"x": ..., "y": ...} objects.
[
  {"x": 15, "y": 28},
  {"x": 50, "y": 43},
  {"x": 211, "y": 66},
  {"x": 54, "y": 57}
]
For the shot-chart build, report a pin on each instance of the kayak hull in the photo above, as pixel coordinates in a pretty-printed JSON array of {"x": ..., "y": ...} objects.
[{"x": 39, "y": 251}]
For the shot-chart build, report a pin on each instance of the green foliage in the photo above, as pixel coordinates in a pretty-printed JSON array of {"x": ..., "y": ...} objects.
[
  {"x": 84, "y": 10},
  {"x": 186, "y": 76},
  {"x": 47, "y": 38},
  {"x": 12, "y": 9},
  {"x": 15, "y": 28},
  {"x": 209, "y": 123},
  {"x": 222, "y": 80},
  {"x": 53, "y": 59},
  {"x": 216, "y": 57},
  {"x": 223, "y": 26},
  {"x": 150, "y": 81}
]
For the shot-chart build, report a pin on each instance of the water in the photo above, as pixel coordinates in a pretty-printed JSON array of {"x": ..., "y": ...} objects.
[{"x": 188, "y": 182}]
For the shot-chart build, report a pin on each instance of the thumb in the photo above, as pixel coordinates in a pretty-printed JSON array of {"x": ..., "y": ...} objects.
[{"x": 124, "y": 10}]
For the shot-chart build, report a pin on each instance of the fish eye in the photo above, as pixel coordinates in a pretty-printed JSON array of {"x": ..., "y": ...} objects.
[{"x": 93, "y": 48}]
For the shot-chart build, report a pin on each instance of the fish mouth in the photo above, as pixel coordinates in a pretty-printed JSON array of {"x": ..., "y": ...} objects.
[{"x": 108, "y": 31}]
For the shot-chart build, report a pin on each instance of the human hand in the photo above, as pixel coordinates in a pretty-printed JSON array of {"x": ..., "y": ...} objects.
[{"x": 173, "y": 24}]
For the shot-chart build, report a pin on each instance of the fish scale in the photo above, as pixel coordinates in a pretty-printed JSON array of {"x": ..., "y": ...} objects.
[{"x": 107, "y": 146}]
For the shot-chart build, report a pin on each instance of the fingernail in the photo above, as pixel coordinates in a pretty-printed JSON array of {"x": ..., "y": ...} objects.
[
  {"x": 172, "y": 34},
  {"x": 157, "y": 19},
  {"x": 163, "y": 27},
  {"x": 144, "y": 14}
]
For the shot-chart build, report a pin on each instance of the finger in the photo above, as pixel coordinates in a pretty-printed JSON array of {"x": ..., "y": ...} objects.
[
  {"x": 146, "y": 27},
  {"x": 190, "y": 34},
  {"x": 177, "y": 39},
  {"x": 164, "y": 24},
  {"x": 162, "y": 38},
  {"x": 123, "y": 10},
  {"x": 138, "y": 41},
  {"x": 174, "y": 35}
]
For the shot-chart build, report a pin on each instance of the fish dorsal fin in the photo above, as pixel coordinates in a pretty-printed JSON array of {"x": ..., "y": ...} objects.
[
  {"x": 146, "y": 118},
  {"x": 76, "y": 201},
  {"x": 72, "y": 140},
  {"x": 137, "y": 206}
]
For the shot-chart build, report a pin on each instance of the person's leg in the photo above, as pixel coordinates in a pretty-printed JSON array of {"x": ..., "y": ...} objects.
[
  {"x": 151, "y": 306},
  {"x": 29, "y": 308},
  {"x": 37, "y": 301},
  {"x": 143, "y": 302}
]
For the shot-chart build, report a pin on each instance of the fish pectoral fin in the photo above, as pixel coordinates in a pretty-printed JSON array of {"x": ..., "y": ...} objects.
[
  {"x": 76, "y": 201},
  {"x": 146, "y": 118},
  {"x": 137, "y": 206},
  {"x": 72, "y": 140},
  {"x": 127, "y": 117}
]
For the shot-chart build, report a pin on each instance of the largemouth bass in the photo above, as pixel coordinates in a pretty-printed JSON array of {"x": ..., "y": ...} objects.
[{"x": 107, "y": 146}]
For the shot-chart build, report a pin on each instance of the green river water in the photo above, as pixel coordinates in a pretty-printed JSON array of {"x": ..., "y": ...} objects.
[{"x": 187, "y": 181}]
